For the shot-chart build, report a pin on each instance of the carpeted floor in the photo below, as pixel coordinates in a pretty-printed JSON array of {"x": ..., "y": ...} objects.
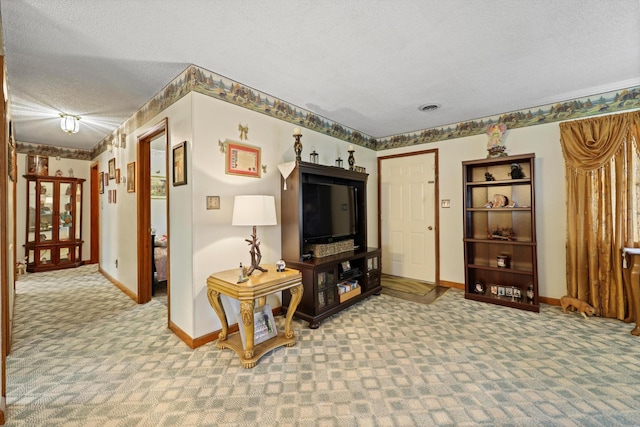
[{"x": 86, "y": 355}]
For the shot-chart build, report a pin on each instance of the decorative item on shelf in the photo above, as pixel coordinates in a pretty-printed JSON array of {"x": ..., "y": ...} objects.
[
  {"x": 517, "y": 293},
  {"x": 59, "y": 172},
  {"x": 339, "y": 161},
  {"x": 313, "y": 156},
  {"x": 280, "y": 266},
  {"x": 494, "y": 289},
  {"x": 70, "y": 172},
  {"x": 516, "y": 171},
  {"x": 501, "y": 233},
  {"x": 360, "y": 169},
  {"x": 479, "y": 287},
  {"x": 495, "y": 146},
  {"x": 499, "y": 201},
  {"x": 488, "y": 177},
  {"x": 503, "y": 261},
  {"x": 530, "y": 294},
  {"x": 351, "y": 160},
  {"x": 297, "y": 146},
  {"x": 254, "y": 210}
]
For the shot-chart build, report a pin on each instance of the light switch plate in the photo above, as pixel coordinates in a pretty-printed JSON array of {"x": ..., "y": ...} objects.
[{"x": 213, "y": 202}]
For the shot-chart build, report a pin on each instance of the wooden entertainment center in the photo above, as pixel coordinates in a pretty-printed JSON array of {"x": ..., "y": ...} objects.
[{"x": 323, "y": 277}]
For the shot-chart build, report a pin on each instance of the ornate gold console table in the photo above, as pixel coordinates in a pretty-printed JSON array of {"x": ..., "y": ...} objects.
[{"x": 257, "y": 287}]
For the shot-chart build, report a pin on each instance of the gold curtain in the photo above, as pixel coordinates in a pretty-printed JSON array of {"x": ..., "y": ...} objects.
[{"x": 599, "y": 158}]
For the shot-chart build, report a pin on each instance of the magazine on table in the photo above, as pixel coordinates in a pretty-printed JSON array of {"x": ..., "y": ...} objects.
[{"x": 264, "y": 326}]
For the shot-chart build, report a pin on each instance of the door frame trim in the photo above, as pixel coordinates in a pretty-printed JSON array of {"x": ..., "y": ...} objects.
[
  {"x": 143, "y": 200},
  {"x": 436, "y": 198}
]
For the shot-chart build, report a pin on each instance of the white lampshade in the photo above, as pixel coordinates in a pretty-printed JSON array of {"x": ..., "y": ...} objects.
[
  {"x": 69, "y": 124},
  {"x": 254, "y": 210}
]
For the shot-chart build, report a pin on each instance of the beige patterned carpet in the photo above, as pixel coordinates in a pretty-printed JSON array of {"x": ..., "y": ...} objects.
[{"x": 86, "y": 355}]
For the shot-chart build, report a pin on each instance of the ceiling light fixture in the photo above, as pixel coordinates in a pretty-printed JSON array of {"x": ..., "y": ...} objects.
[
  {"x": 428, "y": 107},
  {"x": 69, "y": 123}
]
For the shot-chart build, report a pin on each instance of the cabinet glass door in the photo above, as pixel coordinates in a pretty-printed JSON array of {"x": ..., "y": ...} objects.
[
  {"x": 45, "y": 256},
  {"x": 31, "y": 213},
  {"x": 46, "y": 212},
  {"x": 65, "y": 208}
]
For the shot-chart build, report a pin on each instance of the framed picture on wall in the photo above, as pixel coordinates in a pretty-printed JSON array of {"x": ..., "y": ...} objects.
[
  {"x": 118, "y": 176},
  {"x": 158, "y": 187},
  {"x": 37, "y": 165},
  {"x": 242, "y": 160},
  {"x": 131, "y": 177},
  {"x": 101, "y": 183},
  {"x": 112, "y": 168},
  {"x": 180, "y": 164}
]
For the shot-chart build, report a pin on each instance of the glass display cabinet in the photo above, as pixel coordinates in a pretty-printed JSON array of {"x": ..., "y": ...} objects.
[{"x": 54, "y": 222}]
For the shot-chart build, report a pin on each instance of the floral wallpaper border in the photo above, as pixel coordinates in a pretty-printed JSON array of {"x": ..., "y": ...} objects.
[{"x": 206, "y": 82}]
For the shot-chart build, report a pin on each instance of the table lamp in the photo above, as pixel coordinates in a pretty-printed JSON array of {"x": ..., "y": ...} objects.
[{"x": 254, "y": 210}]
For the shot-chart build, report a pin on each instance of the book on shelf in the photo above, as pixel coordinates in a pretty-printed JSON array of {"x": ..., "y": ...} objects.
[{"x": 264, "y": 326}]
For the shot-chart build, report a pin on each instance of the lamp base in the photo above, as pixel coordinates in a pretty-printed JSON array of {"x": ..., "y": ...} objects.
[{"x": 256, "y": 255}]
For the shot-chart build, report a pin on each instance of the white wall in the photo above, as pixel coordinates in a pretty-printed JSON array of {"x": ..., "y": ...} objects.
[
  {"x": 544, "y": 141},
  {"x": 81, "y": 169},
  {"x": 216, "y": 244}
]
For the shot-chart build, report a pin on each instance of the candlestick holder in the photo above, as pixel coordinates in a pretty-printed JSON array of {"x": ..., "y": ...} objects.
[
  {"x": 297, "y": 147},
  {"x": 351, "y": 160}
]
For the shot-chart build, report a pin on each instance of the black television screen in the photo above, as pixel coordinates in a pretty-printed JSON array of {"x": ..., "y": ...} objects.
[{"x": 329, "y": 211}]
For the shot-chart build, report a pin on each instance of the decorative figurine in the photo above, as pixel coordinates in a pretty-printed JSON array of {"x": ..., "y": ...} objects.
[
  {"x": 495, "y": 146},
  {"x": 582, "y": 306},
  {"x": 516, "y": 171},
  {"x": 280, "y": 266},
  {"x": 351, "y": 159},
  {"x": 488, "y": 177},
  {"x": 530, "y": 293},
  {"x": 297, "y": 146}
]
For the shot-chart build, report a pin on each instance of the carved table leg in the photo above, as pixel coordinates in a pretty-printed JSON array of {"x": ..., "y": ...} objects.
[
  {"x": 246, "y": 312},
  {"x": 635, "y": 294},
  {"x": 296, "y": 296},
  {"x": 214, "y": 300}
]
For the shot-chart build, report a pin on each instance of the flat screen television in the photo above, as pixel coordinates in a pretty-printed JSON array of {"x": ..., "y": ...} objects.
[{"x": 329, "y": 212}]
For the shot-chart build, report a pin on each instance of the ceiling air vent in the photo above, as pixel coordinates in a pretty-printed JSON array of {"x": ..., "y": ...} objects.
[{"x": 428, "y": 107}]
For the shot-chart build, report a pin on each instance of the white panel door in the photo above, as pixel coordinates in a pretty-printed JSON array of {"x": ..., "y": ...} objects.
[{"x": 407, "y": 200}]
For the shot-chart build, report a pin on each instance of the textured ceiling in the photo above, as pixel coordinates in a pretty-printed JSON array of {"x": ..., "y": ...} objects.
[{"x": 366, "y": 64}]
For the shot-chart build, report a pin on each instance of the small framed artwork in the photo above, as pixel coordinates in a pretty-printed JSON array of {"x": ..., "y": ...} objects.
[
  {"x": 114, "y": 195},
  {"x": 118, "y": 176},
  {"x": 158, "y": 187},
  {"x": 37, "y": 165},
  {"x": 346, "y": 266},
  {"x": 112, "y": 168},
  {"x": 101, "y": 183},
  {"x": 110, "y": 197},
  {"x": 242, "y": 160},
  {"x": 180, "y": 164},
  {"x": 509, "y": 292},
  {"x": 494, "y": 289},
  {"x": 501, "y": 291},
  {"x": 131, "y": 177},
  {"x": 105, "y": 175}
]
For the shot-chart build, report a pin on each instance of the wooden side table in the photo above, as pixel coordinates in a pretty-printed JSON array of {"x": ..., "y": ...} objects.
[{"x": 257, "y": 287}]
